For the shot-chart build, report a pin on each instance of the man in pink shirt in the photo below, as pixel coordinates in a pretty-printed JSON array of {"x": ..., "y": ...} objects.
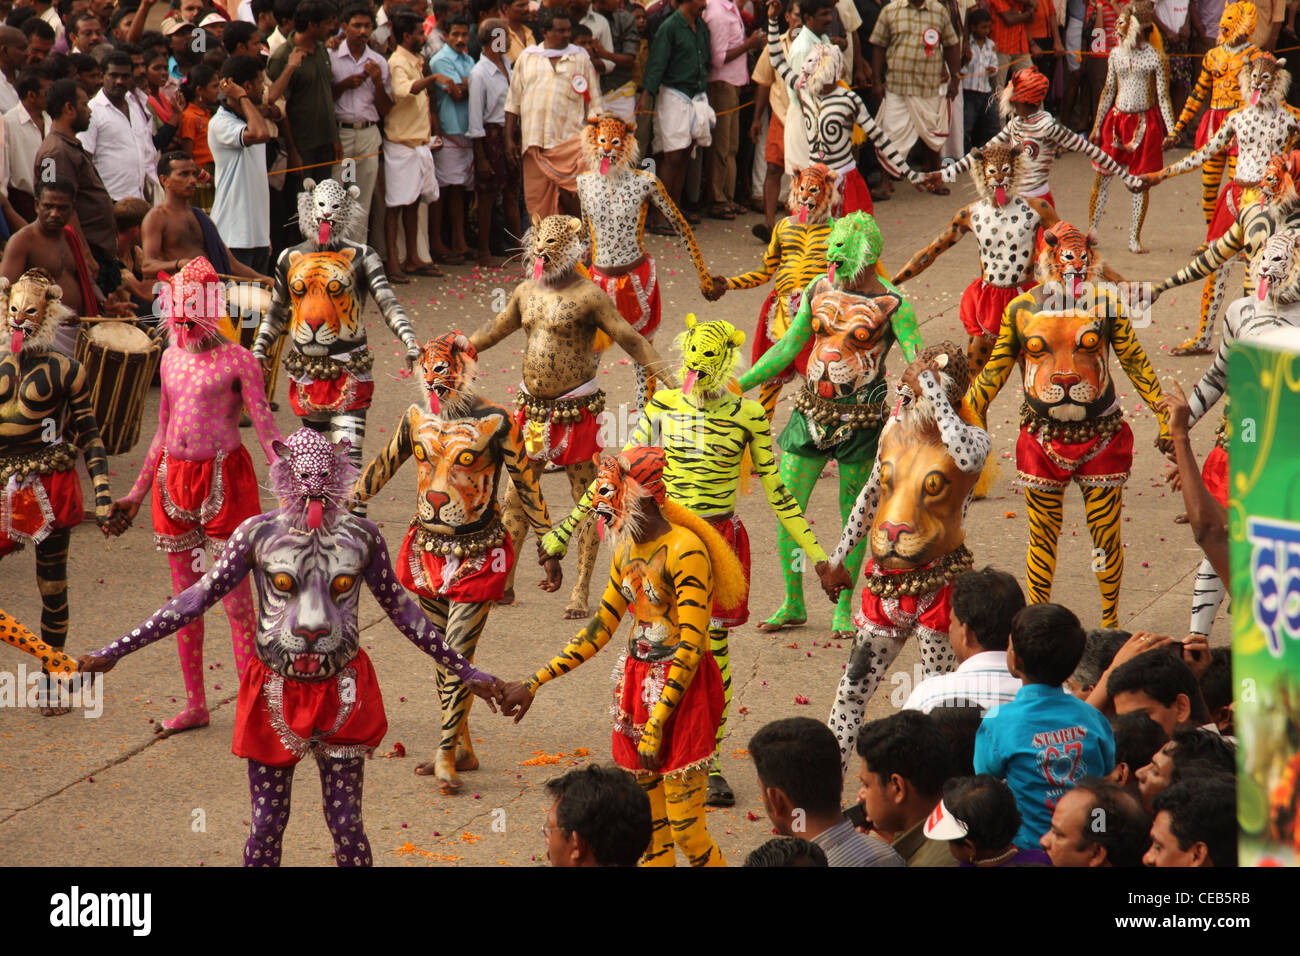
[{"x": 728, "y": 72}]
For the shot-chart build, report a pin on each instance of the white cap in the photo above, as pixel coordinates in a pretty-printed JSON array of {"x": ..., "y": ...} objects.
[{"x": 942, "y": 825}]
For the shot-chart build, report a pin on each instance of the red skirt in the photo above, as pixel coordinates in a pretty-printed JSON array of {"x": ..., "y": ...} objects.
[
  {"x": 690, "y": 735},
  {"x": 347, "y": 393},
  {"x": 763, "y": 337},
  {"x": 733, "y": 532},
  {"x": 1118, "y": 131},
  {"x": 1211, "y": 120},
  {"x": 982, "y": 306},
  {"x": 278, "y": 720},
  {"x": 566, "y": 444},
  {"x": 635, "y": 295},
  {"x": 28, "y": 515},
  {"x": 1226, "y": 208},
  {"x": 1215, "y": 474},
  {"x": 478, "y": 579},
  {"x": 932, "y": 610},
  {"x": 193, "y": 500},
  {"x": 1049, "y": 465},
  {"x": 854, "y": 194}
]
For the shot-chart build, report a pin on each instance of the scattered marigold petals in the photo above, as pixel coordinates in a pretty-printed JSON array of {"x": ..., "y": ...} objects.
[
  {"x": 742, "y": 709},
  {"x": 794, "y": 646},
  {"x": 751, "y": 815},
  {"x": 1009, "y": 514},
  {"x": 397, "y": 751}
]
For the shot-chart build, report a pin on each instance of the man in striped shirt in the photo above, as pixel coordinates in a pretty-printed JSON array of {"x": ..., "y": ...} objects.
[
  {"x": 983, "y": 604},
  {"x": 799, "y": 776}
]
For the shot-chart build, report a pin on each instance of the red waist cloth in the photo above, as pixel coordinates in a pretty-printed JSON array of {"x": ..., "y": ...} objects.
[
  {"x": 905, "y": 613},
  {"x": 481, "y": 578},
  {"x": 1101, "y": 462},
  {"x": 1119, "y": 141},
  {"x": 566, "y": 444},
  {"x": 690, "y": 735},
  {"x": 635, "y": 295},
  {"x": 1226, "y": 208},
  {"x": 193, "y": 500},
  {"x": 763, "y": 336},
  {"x": 28, "y": 515},
  {"x": 278, "y": 720},
  {"x": 1215, "y": 474},
  {"x": 346, "y": 393},
  {"x": 1211, "y": 120},
  {"x": 854, "y": 194},
  {"x": 982, "y": 306},
  {"x": 733, "y": 532}
]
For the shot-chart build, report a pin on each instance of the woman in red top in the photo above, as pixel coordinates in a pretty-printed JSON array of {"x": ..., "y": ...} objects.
[{"x": 200, "y": 89}]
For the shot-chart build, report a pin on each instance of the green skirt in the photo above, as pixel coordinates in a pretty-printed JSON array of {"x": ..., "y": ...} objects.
[{"x": 843, "y": 444}]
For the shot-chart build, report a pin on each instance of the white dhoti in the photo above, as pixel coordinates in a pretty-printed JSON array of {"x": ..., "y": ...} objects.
[
  {"x": 682, "y": 122},
  {"x": 454, "y": 162},
  {"x": 905, "y": 119},
  {"x": 621, "y": 101},
  {"x": 408, "y": 175}
]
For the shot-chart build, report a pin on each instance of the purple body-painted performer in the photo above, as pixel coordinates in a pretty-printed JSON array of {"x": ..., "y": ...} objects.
[{"x": 310, "y": 688}]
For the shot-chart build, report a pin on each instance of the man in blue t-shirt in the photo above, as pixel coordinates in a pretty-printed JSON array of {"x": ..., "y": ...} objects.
[
  {"x": 454, "y": 162},
  {"x": 1044, "y": 741}
]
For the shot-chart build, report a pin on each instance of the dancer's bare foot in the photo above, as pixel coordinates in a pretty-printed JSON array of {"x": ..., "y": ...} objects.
[
  {"x": 1138, "y": 249},
  {"x": 55, "y": 711},
  {"x": 575, "y": 612},
  {"x": 842, "y": 635},
  {"x": 781, "y": 619},
  {"x": 443, "y": 767},
  {"x": 466, "y": 759},
  {"x": 185, "y": 720},
  {"x": 507, "y": 597},
  {"x": 1190, "y": 347}
]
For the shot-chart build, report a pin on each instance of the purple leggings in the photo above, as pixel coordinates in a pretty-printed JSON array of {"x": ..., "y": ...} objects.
[{"x": 340, "y": 782}]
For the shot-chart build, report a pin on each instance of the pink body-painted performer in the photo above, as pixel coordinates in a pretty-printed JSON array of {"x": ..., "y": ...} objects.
[{"x": 200, "y": 472}]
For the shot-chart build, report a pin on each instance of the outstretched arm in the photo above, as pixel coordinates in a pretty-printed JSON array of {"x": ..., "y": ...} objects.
[
  {"x": 953, "y": 171},
  {"x": 1137, "y": 367},
  {"x": 507, "y": 321},
  {"x": 1218, "y": 254},
  {"x": 884, "y": 144},
  {"x": 1195, "y": 99},
  {"x": 384, "y": 465},
  {"x": 967, "y": 445},
  {"x": 13, "y": 633},
  {"x": 591, "y": 638},
  {"x": 628, "y": 338},
  {"x": 780, "y": 355},
  {"x": 1217, "y": 144},
  {"x": 410, "y": 620},
  {"x": 903, "y": 322},
  {"x": 764, "y": 273},
  {"x": 959, "y": 226},
  {"x": 860, "y": 518},
  {"x": 252, "y": 387},
  {"x": 1214, "y": 383},
  {"x": 783, "y": 503},
  {"x": 659, "y": 196},
  {"x": 1047, "y": 215},
  {"x": 1068, "y": 139},
  {"x": 389, "y": 306}
]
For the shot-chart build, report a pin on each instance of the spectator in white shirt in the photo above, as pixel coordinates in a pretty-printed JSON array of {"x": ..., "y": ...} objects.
[
  {"x": 237, "y": 137},
  {"x": 496, "y": 170},
  {"x": 600, "y": 32},
  {"x": 363, "y": 94},
  {"x": 25, "y": 128},
  {"x": 118, "y": 134},
  {"x": 983, "y": 604},
  {"x": 13, "y": 54}
]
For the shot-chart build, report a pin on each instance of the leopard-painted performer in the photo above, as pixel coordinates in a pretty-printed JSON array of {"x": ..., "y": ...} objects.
[
  {"x": 310, "y": 687},
  {"x": 561, "y": 313},
  {"x": 1072, "y": 426},
  {"x": 1263, "y": 126},
  {"x": 457, "y": 552},
  {"x": 46, "y": 421},
  {"x": 320, "y": 292},
  {"x": 853, "y": 316},
  {"x": 796, "y": 254},
  {"x": 913, "y": 510},
  {"x": 670, "y": 568},
  {"x": 705, "y": 430},
  {"x": 615, "y": 196}
]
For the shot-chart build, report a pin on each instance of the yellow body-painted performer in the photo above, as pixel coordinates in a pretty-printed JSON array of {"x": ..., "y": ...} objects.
[
  {"x": 1072, "y": 426},
  {"x": 669, "y": 569},
  {"x": 705, "y": 430},
  {"x": 53, "y": 660}
]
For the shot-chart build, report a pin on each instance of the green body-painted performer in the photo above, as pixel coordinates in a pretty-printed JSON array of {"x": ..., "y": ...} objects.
[
  {"x": 853, "y": 315},
  {"x": 704, "y": 429}
]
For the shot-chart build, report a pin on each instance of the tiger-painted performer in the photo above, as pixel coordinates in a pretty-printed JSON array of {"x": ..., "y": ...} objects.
[
  {"x": 457, "y": 553},
  {"x": 1038, "y": 135},
  {"x": 704, "y": 429},
  {"x": 201, "y": 474},
  {"x": 320, "y": 290},
  {"x": 913, "y": 511},
  {"x": 1130, "y": 127},
  {"x": 1274, "y": 304},
  {"x": 561, "y": 313},
  {"x": 1219, "y": 79},
  {"x": 1071, "y": 424},
  {"x": 310, "y": 687},
  {"x": 852, "y": 315},
  {"x": 1005, "y": 225},
  {"x": 830, "y": 110},
  {"x": 1261, "y": 127},
  {"x": 670, "y": 567},
  {"x": 15, "y": 635},
  {"x": 615, "y": 198},
  {"x": 796, "y": 254},
  {"x": 45, "y": 422}
]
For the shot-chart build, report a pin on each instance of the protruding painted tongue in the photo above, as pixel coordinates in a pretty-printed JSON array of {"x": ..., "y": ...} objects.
[
  {"x": 689, "y": 382},
  {"x": 435, "y": 406},
  {"x": 16, "y": 341},
  {"x": 600, "y": 526},
  {"x": 803, "y": 213},
  {"x": 315, "y": 513},
  {"x": 604, "y": 165},
  {"x": 830, "y": 271},
  {"x": 324, "y": 236},
  {"x": 1076, "y": 285},
  {"x": 538, "y": 262},
  {"x": 1000, "y": 195},
  {"x": 1262, "y": 291},
  {"x": 1254, "y": 97}
]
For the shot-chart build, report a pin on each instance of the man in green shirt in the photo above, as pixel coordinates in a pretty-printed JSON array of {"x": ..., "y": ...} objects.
[
  {"x": 678, "y": 71},
  {"x": 301, "y": 72}
]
